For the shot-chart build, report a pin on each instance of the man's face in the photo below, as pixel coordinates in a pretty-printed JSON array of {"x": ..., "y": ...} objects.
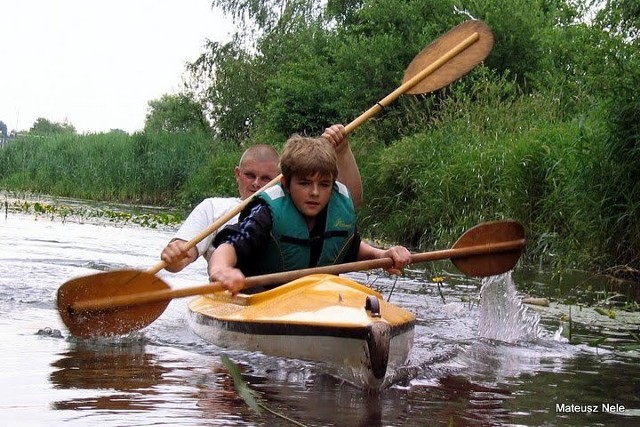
[{"x": 252, "y": 175}]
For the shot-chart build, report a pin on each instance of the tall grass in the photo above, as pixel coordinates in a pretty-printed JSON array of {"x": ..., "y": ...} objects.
[
  {"x": 492, "y": 153},
  {"x": 92, "y": 166},
  {"x": 214, "y": 177},
  {"x": 114, "y": 166}
]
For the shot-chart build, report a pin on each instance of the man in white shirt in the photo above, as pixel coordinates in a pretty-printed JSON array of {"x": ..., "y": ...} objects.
[{"x": 258, "y": 166}]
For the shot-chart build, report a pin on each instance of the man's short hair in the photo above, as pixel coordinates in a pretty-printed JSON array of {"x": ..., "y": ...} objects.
[{"x": 260, "y": 153}]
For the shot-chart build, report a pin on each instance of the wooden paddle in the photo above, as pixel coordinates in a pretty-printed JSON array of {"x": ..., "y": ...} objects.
[
  {"x": 448, "y": 58},
  {"x": 119, "y": 302}
]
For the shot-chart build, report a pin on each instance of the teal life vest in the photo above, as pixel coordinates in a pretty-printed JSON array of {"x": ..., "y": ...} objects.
[{"x": 290, "y": 245}]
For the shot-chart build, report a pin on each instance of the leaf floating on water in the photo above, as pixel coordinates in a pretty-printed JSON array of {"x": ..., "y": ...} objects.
[
  {"x": 601, "y": 310},
  {"x": 542, "y": 302},
  {"x": 247, "y": 394},
  {"x": 241, "y": 386},
  {"x": 609, "y": 313}
]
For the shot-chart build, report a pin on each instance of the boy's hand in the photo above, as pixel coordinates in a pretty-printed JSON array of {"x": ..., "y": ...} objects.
[
  {"x": 230, "y": 278},
  {"x": 401, "y": 258}
]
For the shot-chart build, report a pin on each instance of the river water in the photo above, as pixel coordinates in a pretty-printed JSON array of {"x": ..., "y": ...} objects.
[{"x": 492, "y": 362}]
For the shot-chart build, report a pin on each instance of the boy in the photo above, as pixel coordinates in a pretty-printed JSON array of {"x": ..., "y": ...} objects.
[
  {"x": 306, "y": 221},
  {"x": 257, "y": 167}
]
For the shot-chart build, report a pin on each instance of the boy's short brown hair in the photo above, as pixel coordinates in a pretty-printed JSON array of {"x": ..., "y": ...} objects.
[{"x": 303, "y": 156}]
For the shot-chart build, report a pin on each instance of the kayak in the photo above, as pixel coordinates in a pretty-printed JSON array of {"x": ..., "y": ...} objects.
[{"x": 324, "y": 318}]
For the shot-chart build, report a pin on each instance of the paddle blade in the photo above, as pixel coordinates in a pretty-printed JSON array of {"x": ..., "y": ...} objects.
[
  {"x": 491, "y": 235},
  {"x": 458, "y": 65},
  {"x": 110, "y": 321}
]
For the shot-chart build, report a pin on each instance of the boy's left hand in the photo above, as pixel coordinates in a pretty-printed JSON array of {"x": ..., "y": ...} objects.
[{"x": 401, "y": 258}]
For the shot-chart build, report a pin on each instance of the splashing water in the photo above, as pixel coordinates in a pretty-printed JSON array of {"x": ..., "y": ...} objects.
[{"x": 502, "y": 315}]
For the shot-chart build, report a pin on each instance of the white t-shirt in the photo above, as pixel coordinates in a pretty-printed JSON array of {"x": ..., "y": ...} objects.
[{"x": 202, "y": 216}]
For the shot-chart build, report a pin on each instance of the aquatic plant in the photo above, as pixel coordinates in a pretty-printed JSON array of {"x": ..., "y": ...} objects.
[
  {"x": 250, "y": 396},
  {"x": 64, "y": 212}
]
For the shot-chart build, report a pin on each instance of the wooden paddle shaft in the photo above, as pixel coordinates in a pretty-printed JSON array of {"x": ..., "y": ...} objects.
[
  {"x": 413, "y": 81},
  {"x": 288, "y": 276}
]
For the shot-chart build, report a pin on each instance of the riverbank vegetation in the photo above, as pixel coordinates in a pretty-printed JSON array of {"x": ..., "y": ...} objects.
[{"x": 544, "y": 132}]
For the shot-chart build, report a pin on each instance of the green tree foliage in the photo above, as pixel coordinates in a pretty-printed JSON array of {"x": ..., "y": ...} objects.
[
  {"x": 228, "y": 81},
  {"x": 298, "y": 70},
  {"x": 296, "y": 66},
  {"x": 520, "y": 28},
  {"x": 176, "y": 113},
  {"x": 270, "y": 15},
  {"x": 620, "y": 16},
  {"x": 45, "y": 127}
]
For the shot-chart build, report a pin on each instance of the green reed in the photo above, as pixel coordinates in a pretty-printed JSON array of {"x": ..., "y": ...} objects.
[
  {"x": 112, "y": 166},
  {"x": 492, "y": 153}
]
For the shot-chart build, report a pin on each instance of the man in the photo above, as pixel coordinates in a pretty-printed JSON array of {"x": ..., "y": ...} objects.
[{"x": 258, "y": 166}]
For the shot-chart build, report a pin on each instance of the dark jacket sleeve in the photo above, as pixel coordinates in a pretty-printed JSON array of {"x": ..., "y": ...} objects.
[{"x": 250, "y": 234}]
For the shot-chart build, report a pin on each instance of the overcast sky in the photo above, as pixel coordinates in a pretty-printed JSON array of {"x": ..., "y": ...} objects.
[{"x": 97, "y": 64}]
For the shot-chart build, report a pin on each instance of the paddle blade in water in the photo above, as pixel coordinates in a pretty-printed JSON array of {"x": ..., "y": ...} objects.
[
  {"x": 473, "y": 37},
  {"x": 113, "y": 320},
  {"x": 495, "y": 259}
]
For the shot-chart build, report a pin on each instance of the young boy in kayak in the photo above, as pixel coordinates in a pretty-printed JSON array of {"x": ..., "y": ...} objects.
[
  {"x": 258, "y": 166},
  {"x": 307, "y": 220}
]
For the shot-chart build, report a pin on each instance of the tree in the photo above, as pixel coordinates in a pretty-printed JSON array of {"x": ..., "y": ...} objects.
[
  {"x": 620, "y": 16},
  {"x": 299, "y": 65},
  {"x": 176, "y": 113},
  {"x": 227, "y": 79},
  {"x": 44, "y": 127},
  {"x": 620, "y": 79}
]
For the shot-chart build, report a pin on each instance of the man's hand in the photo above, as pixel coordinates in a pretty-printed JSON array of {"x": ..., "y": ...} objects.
[
  {"x": 176, "y": 256},
  {"x": 337, "y": 135}
]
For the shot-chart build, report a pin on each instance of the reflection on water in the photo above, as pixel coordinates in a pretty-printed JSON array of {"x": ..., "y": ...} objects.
[
  {"x": 472, "y": 364},
  {"x": 125, "y": 367},
  {"x": 128, "y": 376},
  {"x": 115, "y": 375}
]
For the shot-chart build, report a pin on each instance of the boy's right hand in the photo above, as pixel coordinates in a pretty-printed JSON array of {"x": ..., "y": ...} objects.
[{"x": 230, "y": 278}]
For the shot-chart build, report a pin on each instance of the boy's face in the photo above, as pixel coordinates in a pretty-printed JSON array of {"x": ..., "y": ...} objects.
[{"x": 310, "y": 194}]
